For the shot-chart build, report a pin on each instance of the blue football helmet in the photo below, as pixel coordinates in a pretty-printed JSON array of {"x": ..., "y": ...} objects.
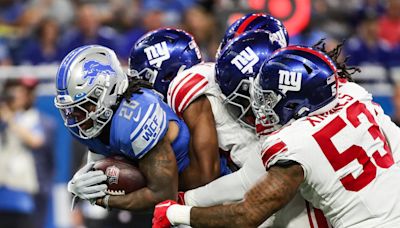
[
  {"x": 239, "y": 61},
  {"x": 295, "y": 82},
  {"x": 89, "y": 81},
  {"x": 255, "y": 21},
  {"x": 159, "y": 55}
]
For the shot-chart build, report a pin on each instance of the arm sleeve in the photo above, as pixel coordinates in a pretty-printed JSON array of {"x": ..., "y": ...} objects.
[
  {"x": 228, "y": 188},
  {"x": 149, "y": 130}
]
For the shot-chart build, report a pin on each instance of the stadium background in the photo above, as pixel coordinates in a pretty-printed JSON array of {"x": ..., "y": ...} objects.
[{"x": 36, "y": 34}]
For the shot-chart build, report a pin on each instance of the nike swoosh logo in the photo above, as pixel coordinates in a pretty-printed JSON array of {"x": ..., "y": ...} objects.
[
  {"x": 164, "y": 204},
  {"x": 137, "y": 117}
]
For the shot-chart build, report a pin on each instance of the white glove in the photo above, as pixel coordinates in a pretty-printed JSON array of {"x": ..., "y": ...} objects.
[{"x": 85, "y": 184}]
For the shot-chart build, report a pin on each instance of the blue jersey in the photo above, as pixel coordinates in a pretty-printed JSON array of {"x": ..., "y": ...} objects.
[{"x": 138, "y": 125}]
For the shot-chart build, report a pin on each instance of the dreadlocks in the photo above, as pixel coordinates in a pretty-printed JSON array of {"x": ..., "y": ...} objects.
[
  {"x": 135, "y": 86},
  {"x": 343, "y": 70}
]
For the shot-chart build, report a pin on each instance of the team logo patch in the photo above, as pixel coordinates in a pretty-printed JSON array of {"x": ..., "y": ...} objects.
[
  {"x": 112, "y": 173},
  {"x": 92, "y": 69},
  {"x": 289, "y": 81},
  {"x": 245, "y": 60},
  {"x": 157, "y": 53}
]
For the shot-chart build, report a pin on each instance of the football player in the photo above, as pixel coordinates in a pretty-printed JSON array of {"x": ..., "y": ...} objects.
[
  {"x": 334, "y": 146},
  {"x": 111, "y": 115},
  {"x": 230, "y": 105},
  {"x": 158, "y": 57}
]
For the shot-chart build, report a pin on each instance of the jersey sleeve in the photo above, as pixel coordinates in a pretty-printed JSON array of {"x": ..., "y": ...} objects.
[
  {"x": 188, "y": 85},
  {"x": 276, "y": 149},
  {"x": 140, "y": 131}
]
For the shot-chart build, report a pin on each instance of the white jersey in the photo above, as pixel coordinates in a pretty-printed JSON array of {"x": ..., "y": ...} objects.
[
  {"x": 346, "y": 155},
  {"x": 199, "y": 80},
  {"x": 243, "y": 146}
]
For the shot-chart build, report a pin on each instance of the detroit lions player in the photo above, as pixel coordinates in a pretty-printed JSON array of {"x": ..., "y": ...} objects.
[
  {"x": 113, "y": 116},
  {"x": 158, "y": 57}
]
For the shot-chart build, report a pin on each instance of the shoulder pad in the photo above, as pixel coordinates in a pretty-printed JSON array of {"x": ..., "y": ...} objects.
[
  {"x": 147, "y": 124},
  {"x": 190, "y": 84}
]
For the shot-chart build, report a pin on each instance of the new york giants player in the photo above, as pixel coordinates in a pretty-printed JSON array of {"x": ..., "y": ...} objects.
[
  {"x": 237, "y": 64},
  {"x": 113, "y": 116},
  {"x": 256, "y": 21},
  {"x": 335, "y": 146},
  {"x": 172, "y": 51}
]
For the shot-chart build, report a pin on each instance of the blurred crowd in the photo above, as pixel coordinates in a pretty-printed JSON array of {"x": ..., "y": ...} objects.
[
  {"x": 43, "y": 31},
  {"x": 38, "y": 32}
]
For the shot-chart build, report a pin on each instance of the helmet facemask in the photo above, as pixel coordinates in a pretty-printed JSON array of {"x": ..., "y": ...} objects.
[
  {"x": 263, "y": 103},
  {"x": 238, "y": 104},
  {"x": 100, "y": 115}
]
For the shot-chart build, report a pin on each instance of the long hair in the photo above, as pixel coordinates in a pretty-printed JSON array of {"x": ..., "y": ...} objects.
[
  {"x": 135, "y": 85},
  {"x": 343, "y": 71}
]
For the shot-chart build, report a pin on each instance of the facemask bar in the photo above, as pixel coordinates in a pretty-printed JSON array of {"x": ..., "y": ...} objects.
[
  {"x": 101, "y": 116},
  {"x": 263, "y": 102},
  {"x": 147, "y": 74},
  {"x": 239, "y": 104}
]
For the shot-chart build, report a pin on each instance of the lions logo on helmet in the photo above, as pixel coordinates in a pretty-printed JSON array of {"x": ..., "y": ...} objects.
[{"x": 92, "y": 69}]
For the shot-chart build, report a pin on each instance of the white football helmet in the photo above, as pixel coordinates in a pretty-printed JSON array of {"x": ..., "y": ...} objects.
[{"x": 89, "y": 76}]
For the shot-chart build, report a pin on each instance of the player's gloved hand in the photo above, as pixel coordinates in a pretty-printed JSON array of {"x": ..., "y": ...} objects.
[
  {"x": 160, "y": 219},
  {"x": 85, "y": 184},
  {"x": 181, "y": 198}
]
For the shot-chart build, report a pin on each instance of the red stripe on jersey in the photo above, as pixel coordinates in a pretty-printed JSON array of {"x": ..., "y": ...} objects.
[
  {"x": 172, "y": 94},
  {"x": 309, "y": 215},
  {"x": 320, "y": 217},
  {"x": 245, "y": 23},
  {"x": 179, "y": 112},
  {"x": 272, "y": 150},
  {"x": 185, "y": 89}
]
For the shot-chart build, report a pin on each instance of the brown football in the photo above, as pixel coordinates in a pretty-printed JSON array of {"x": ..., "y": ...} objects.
[{"x": 122, "y": 175}]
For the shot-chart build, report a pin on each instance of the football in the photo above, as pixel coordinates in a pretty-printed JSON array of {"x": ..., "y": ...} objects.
[{"x": 122, "y": 175}]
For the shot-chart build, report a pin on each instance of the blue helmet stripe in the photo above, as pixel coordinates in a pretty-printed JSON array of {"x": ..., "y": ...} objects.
[{"x": 62, "y": 74}]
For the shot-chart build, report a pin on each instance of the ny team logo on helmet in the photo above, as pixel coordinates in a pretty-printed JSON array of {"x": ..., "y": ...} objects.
[
  {"x": 239, "y": 61},
  {"x": 89, "y": 75},
  {"x": 293, "y": 83},
  {"x": 159, "y": 55},
  {"x": 254, "y": 21}
]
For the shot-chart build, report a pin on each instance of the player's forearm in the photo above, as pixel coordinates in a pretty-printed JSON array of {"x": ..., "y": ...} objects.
[
  {"x": 235, "y": 215},
  {"x": 194, "y": 176},
  {"x": 142, "y": 199}
]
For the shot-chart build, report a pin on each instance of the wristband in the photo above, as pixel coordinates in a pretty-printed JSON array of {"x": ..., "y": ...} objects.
[{"x": 179, "y": 214}]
